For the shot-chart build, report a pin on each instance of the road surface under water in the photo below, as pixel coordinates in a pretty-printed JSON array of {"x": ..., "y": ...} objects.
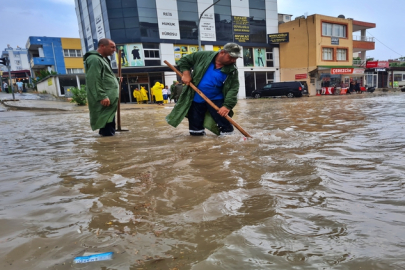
[{"x": 320, "y": 186}]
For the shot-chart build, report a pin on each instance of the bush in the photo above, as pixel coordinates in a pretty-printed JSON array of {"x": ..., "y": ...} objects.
[{"x": 79, "y": 95}]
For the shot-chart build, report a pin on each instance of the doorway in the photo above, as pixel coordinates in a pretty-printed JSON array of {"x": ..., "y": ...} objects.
[
  {"x": 133, "y": 86},
  {"x": 257, "y": 80}
]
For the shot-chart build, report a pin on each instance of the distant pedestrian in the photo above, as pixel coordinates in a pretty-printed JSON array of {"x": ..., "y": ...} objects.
[
  {"x": 102, "y": 87},
  {"x": 169, "y": 93},
  {"x": 357, "y": 87},
  {"x": 164, "y": 92},
  {"x": 19, "y": 86},
  {"x": 5, "y": 86}
]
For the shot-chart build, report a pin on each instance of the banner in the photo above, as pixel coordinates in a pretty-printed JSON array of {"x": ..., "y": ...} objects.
[
  {"x": 241, "y": 29},
  {"x": 131, "y": 55},
  {"x": 301, "y": 76},
  {"x": 377, "y": 64},
  {"x": 259, "y": 57},
  {"x": 181, "y": 50}
]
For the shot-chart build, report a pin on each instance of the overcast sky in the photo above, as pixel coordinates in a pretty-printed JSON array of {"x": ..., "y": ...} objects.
[{"x": 57, "y": 18}]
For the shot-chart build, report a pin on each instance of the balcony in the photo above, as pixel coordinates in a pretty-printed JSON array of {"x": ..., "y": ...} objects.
[
  {"x": 363, "y": 43},
  {"x": 359, "y": 63},
  {"x": 41, "y": 62},
  {"x": 363, "y": 38}
]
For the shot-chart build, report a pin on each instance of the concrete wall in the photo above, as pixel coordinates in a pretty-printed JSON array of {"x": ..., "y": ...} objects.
[{"x": 49, "y": 85}]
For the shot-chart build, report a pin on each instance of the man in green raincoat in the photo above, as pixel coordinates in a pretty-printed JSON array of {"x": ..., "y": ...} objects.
[
  {"x": 102, "y": 87},
  {"x": 216, "y": 75}
]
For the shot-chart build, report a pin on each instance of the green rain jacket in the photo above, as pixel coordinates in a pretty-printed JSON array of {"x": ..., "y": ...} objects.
[
  {"x": 199, "y": 63},
  {"x": 100, "y": 84}
]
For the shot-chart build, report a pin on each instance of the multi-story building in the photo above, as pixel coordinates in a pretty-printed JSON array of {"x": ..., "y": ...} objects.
[
  {"x": 61, "y": 55},
  {"x": 319, "y": 51},
  {"x": 150, "y": 32},
  {"x": 18, "y": 61}
]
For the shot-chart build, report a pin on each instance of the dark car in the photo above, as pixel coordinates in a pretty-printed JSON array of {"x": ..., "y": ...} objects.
[{"x": 289, "y": 89}]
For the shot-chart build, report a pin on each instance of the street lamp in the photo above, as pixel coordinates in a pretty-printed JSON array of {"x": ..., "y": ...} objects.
[{"x": 198, "y": 26}]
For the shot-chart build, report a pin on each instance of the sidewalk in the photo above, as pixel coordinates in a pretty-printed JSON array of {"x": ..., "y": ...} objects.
[{"x": 46, "y": 102}]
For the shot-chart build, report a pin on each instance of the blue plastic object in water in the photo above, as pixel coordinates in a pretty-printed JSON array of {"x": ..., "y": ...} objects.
[{"x": 94, "y": 258}]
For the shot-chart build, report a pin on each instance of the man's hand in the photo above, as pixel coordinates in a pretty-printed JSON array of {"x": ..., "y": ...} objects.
[
  {"x": 105, "y": 102},
  {"x": 186, "y": 78},
  {"x": 223, "y": 111}
]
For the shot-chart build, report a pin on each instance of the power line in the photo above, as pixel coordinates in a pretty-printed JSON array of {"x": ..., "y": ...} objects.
[{"x": 384, "y": 44}]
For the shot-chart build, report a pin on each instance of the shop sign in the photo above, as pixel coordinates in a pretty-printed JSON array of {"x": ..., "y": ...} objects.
[
  {"x": 334, "y": 41},
  {"x": 380, "y": 69},
  {"x": 347, "y": 71},
  {"x": 377, "y": 64},
  {"x": 277, "y": 38},
  {"x": 241, "y": 29},
  {"x": 301, "y": 76}
]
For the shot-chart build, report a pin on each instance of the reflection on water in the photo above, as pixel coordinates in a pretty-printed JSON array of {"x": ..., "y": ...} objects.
[{"x": 318, "y": 187}]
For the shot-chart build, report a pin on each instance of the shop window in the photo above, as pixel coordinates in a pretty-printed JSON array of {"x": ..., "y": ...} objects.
[
  {"x": 327, "y": 54},
  {"x": 398, "y": 77},
  {"x": 333, "y": 30},
  {"x": 341, "y": 54}
]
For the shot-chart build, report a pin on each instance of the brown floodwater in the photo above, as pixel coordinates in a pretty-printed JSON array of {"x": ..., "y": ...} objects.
[{"x": 319, "y": 186}]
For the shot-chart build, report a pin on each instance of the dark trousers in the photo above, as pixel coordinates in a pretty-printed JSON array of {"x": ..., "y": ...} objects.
[
  {"x": 108, "y": 130},
  {"x": 196, "y": 115}
]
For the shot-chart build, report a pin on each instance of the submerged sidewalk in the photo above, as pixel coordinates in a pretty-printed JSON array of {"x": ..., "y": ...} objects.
[{"x": 45, "y": 102}]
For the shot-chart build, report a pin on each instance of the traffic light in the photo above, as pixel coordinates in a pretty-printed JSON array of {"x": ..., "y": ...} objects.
[{"x": 4, "y": 61}]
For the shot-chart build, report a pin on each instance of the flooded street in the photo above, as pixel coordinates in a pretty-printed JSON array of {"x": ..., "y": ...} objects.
[{"x": 320, "y": 186}]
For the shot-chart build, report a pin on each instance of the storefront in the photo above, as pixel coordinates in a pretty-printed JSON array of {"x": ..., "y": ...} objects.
[{"x": 328, "y": 78}]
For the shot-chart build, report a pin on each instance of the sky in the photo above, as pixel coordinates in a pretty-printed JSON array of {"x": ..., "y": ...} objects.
[{"x": 57, "y": 18}]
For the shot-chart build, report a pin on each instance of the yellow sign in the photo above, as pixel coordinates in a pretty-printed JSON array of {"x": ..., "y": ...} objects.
[
  {"x": 1, "y": 73},
  {"x": 277, "y": 38},
  {"x": 241, "y": 38},
  {"x": 49, "y": 81},
  {"x": 181, "y": 50}
]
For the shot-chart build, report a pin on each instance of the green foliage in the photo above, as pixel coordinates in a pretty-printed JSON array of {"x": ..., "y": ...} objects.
[
  {"x": 356, "y": 58},
  {"x": 42, "y": 74},
  {"x": 370, "y": 59},
  {"x": 79, "y": 95}
]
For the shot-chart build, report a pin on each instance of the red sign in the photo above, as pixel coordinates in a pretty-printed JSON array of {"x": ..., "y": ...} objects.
[
  {"x": 301, "y": 76},
  {"x": 346, "y": 71},
  {"x": 377, "y": 64}
]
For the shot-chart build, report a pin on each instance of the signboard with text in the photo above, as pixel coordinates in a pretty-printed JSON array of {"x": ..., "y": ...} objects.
[
  {"x": 241, "y": 29},
  {"x": 377, "y": 64},
  {"x": 346, "y": 71},
  {"x": 277, "y": 38},
  {"x": 334, "y": 41},
  {"x": 301, "y": 76}
]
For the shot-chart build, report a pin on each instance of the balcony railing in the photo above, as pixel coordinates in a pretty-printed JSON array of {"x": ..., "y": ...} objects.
[
  {"x": 363, "y": 38},
  {"x": 359, "y": 63}
]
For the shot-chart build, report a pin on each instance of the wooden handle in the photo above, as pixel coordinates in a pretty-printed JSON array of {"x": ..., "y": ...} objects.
[{"x": 209, "y": 101}]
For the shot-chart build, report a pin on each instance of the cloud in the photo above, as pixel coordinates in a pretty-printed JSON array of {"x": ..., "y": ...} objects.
[{"x": 66, "y": 2}]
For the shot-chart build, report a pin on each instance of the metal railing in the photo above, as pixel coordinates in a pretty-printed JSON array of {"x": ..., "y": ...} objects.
[
  {"x": 363, "y": 38},
  {"x": 359, "y": 63}
]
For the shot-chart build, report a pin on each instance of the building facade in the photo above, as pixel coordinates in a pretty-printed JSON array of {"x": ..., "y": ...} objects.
[
  {"x": 319, "y": 51},
  {"x": 61, "y": 55},
  {"x": 150, "y": 32}
]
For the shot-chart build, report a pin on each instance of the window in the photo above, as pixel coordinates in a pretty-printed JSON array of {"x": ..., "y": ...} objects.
[
  {"x": 74, "y": 70},
  {"x": 341, "y": 54},
  {"x": 151, "y": 53},
  {"x": 327, "y": 54},
  {"x": 403, "y": 77},
  {"x": 72, "y": 53},
  {"x": 17, "y": 62},
  {"x": 16, "y": 55},
  {"x": 269, "y": 57},
  {"x": 333, "y": 30},
  {"x": 397, "y": 77}
]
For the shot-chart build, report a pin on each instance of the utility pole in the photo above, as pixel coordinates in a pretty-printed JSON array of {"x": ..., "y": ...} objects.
[{"x": 198, "y": 27}]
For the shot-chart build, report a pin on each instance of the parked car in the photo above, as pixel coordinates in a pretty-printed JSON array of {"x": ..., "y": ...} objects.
[{"x": 289, "y": 89}]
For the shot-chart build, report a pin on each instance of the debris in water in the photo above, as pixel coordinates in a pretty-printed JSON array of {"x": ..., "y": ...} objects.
[{"x": 94, "y": 257}]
